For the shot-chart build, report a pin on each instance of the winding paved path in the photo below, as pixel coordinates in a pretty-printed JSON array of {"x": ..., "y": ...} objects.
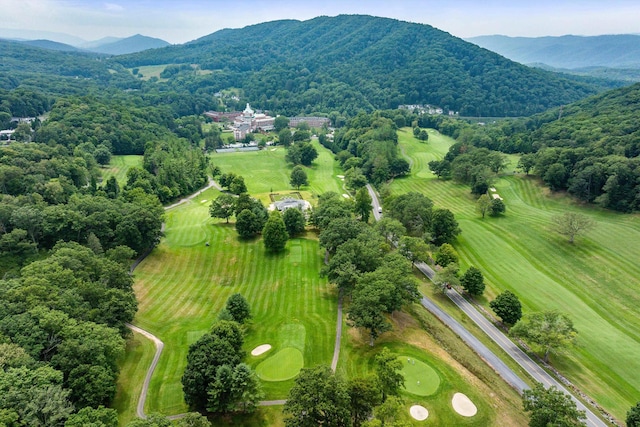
[{"x": 494, "y": 333}]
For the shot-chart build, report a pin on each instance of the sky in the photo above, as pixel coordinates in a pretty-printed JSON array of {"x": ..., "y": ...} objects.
[{"x": 179, "y": 21}]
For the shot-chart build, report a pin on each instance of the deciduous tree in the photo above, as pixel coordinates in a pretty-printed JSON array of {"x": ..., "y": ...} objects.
[
  {"x": 633, "y": 416},
  {"x": 298, "y": 177},
  {"x": 362, "y": 207},
  {"x": 388, "y": 372},
  {"x": 507, "y": 307},
  {"x": 294, "y": 222},
  {"x": 274, "y": 234},
  {"x": 483, "y": 204},
  {"x": 318, "y": 397},
  {"x": 548, "y": 332},
  {"x": 551, "y": 407},
  {"x": 446, "y": 255},
  {"x": 472, "y": 281},
  {"x": 223, "y": 207},
  {"x": 572, "y": 224}
]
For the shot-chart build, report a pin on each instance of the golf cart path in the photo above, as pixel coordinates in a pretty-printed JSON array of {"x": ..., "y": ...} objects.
[{"x": 532, "y": 368}]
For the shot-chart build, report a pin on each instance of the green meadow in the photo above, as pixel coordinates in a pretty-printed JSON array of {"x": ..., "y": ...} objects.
[
  {"x": 119, "y": 166},
  {"x": 595, "y": 280},
  {"x": 183, "y": 284}
]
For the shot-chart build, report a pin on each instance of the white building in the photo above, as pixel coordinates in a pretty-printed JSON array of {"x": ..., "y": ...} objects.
[{"x": 250, "y": 121}]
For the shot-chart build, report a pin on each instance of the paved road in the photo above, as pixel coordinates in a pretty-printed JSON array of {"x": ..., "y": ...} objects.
[
  {"x": 336, "y": 346},
  {"x": 494, "y": 333},
  {"x": 518, "y": 355}
]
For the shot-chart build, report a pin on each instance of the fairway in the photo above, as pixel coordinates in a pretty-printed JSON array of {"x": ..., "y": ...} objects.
[
  {"x": 183, "y": 284},
  {"x": 119, "y": 166},
  {"x": 594, "y": 281},
  {"x": 419, "y": 378}
]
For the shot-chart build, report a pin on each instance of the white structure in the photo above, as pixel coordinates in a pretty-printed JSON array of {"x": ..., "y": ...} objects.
[{"x": 250, "y": 121}]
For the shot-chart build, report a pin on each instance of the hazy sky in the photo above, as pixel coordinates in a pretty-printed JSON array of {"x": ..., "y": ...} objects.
[{"x": 179, "y": 21}]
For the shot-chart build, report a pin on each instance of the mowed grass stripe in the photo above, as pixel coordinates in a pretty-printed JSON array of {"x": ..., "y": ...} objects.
[
  {"x": 184, "y": 288},
  {"x": 594, "y": 281}
]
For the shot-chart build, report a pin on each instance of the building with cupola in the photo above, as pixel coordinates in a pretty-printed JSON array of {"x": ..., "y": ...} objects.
[{"x": 250, "y": 121}]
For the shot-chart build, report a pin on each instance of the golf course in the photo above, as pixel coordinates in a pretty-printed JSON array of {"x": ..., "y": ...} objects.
[
  {"x": 594, "y": 281},
  {"x": 184, "y": 283}
]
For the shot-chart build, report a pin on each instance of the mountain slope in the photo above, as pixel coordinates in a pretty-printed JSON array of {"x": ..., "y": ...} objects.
[
  {"x": 613, "y": 51},
  {"x": 51, "y": 45},
  {"x": 352, "y": 62},
  {"x": 132, "y": 44}
]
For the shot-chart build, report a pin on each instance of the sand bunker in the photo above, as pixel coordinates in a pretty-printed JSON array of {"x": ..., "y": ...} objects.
[
  {"x": 340, "y": 176},
  {"x": 346, "y": 196},
  {"x": 203, "y": 201},
  {"x": 261, "y": 349},
  {"x": 463, "y": 405},
  {"x": 418, "y": 412}
]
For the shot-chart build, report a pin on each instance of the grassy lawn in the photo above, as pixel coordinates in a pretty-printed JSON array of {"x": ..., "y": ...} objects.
[
  {"x": 149, "y": 71},
  {"x": 183, "y": 284},
  {"x": 266, "y": 171},
  {"x": 519, "y": 252},
  {"x": 119, "y": 166}
]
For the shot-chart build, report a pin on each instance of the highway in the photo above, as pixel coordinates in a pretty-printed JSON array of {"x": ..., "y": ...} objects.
[{"x": 532, "y": 368}]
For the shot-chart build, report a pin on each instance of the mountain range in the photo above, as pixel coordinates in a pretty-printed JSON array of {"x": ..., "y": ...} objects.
[
  {"x": 568, "y": 52},
  {"x": 67, "y": 43}
]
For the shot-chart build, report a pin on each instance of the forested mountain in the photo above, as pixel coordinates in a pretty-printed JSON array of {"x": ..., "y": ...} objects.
[
  {"x": 613, "y": 51},
  {"x": 351, "y": 62},
  {"x": 51, "y": 45},
  {"x": 131, "y": 44}
]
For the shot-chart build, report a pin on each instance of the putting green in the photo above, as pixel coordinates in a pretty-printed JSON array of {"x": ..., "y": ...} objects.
[
  {"x": 419, "y": 378},
  {"x": 282, "y": 366}
]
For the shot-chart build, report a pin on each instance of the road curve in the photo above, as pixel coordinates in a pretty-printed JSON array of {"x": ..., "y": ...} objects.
[
  {"x": 494, "y": 333},
  {"x": 147, "y": 379}
]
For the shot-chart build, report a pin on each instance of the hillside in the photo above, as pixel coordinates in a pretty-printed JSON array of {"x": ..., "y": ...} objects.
[
  {"x": 353, "y": 62},
  {"x": 137, "y": 43},
  {"x": 51, "y": 45},
  {"x": 611, "y": 51}
]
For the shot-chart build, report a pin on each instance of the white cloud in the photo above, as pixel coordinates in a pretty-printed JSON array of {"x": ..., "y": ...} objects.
[{"x": 112, "y": 7}]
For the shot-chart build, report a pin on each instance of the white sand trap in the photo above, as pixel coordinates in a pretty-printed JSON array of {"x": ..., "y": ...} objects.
[
  {"x": 261, "y": 349},
  {"x": 418, "y": 412},
  {"x": 204, "y": 201},
  {"x": 274, "y": 149},
  {"x": 346, "y": 196},
  {"x": 340, "y": 176},
  {"x": 463, "y": 405}
]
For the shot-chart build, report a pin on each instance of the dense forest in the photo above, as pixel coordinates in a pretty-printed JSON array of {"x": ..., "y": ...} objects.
[{"x": 348, "y": 63}]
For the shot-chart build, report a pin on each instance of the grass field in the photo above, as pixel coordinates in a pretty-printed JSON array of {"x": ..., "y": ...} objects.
[
  {"x": 595, "y": 281},
  {"x": 183, "y": 284},
  {"x": 266, "y": 171},
  {"x": 119, "y": 166}
]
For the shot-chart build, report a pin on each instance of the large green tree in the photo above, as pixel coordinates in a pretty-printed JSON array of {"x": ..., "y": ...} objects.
[
  {"x": 298, "y": 177},
  {"x": 551, "y": 407},
  {"x": 388, "y": 372},
  {"x": 507, "y": 307},
  {"x": 238, "y": 308},
  {"x": 444, "y": 227},
  {"x": 472, "y": 281},
  {"x": 275, "y": 234},
  {"x": 362, "y": 206},
  {"x": 548, "y": 331},
  {"x": 223, "y": 207},
  {"x": 294, "y": 221},
  {"x": 318, "y": 397},
  {"x": 633, "y": 416}
]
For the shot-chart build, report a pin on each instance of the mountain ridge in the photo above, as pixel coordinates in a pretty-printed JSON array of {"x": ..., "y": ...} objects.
[
  {"x": 381, "y": 62},
  {"x": 568, "y": 51}
]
